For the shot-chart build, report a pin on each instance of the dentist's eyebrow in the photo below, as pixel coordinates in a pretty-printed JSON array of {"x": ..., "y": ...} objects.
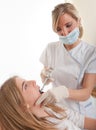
[{"x": 23, "y": 85}]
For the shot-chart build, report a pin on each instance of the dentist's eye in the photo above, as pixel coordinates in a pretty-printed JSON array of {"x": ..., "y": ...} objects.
[
  {"x": 68, "y": 25},
  {"x": 58, "y": 29}
]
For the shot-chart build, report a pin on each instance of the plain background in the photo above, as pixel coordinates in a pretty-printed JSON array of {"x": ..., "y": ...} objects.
[
  {"x": 87, "y": 9},
  {"x": 25, "y": 30}
]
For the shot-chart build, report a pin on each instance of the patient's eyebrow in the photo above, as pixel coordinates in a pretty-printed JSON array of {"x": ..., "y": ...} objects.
[{"x": 23, "y": 85}]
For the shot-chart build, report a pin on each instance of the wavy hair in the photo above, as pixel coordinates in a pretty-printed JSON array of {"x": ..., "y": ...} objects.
[{"x": 14, "y": 116}]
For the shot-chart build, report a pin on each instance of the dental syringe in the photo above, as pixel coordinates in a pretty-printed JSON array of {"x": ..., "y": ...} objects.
[{"x": 48, "y": 76}]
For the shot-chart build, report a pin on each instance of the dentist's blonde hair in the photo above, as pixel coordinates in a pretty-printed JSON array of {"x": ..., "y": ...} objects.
[
  {"x": 14, "y": 115},
  {"x": 67, "y": 8}
]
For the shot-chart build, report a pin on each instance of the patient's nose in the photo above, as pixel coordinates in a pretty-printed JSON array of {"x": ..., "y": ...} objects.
[{"x": 33, "y": 82}]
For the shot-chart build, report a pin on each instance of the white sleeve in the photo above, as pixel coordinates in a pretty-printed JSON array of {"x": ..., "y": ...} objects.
[
  {"x": 44, "y": 57},
  {"x": 75, "y": 117},
  {"x": 47, "y": 57},
  {"x": 67, "y": 125},
  {"x": 91, "y": 68},
  {"x": 64, "y": 124}
]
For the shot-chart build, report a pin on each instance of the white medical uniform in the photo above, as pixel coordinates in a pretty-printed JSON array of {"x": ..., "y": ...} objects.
[
  {"x": 69, "y": 68},
  {"x": 72, "y": 121},
  {"x": 64, "y": 124}
]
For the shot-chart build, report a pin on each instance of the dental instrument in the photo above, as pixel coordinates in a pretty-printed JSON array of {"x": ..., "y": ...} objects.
[{"x": 48, "y": 76}]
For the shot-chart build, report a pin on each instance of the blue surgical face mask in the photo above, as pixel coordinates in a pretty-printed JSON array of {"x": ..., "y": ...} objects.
[{"x": 71, "y": 38}]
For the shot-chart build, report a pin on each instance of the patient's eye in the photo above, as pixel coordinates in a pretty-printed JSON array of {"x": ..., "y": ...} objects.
[{"x": 25, "y": 86}]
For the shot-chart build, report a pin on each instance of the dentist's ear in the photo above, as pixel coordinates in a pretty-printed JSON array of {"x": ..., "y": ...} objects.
[
  {"x": 79, "y": 22},
  {"x": 80, "y": 28}
]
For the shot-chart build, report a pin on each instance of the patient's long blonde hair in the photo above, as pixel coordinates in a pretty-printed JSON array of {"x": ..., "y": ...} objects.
[{"x": 12, "y": 113}]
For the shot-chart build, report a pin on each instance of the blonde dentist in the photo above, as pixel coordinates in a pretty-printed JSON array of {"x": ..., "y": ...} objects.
[{"x": 73, "y": 60}]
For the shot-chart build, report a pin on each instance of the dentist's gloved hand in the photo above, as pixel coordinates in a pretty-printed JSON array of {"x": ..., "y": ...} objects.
[
  {"x": 53, "y": 95},
  {"x": 46, "y": 73}
]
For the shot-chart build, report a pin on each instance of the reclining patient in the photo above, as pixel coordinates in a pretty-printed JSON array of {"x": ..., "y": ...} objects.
[{"x": 18, "y": 110}]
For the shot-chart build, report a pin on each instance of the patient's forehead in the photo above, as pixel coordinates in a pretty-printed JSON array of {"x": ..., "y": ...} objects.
[{"x": 19, "y": 81}]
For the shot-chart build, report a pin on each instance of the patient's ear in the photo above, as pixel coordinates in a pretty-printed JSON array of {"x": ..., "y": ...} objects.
[{"x": 25, "y": 107}]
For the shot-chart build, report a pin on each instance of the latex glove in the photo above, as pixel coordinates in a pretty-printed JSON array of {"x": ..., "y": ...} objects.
[
  {"x": 53, "y": 95},
  {"x": 46, "y": 73}
]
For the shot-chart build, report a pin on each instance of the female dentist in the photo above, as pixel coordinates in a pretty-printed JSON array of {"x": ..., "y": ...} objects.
[{"x": 73, "y": 62}]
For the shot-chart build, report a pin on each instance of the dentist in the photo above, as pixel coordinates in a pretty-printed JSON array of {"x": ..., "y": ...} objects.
[{"x": 73, "y": 61}]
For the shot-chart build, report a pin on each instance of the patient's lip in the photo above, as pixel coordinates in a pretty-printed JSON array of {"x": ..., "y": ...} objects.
[{"x": 40, "y": 91}]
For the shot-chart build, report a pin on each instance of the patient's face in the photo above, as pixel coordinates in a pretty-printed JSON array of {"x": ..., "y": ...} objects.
[{"x": 29, "y": 90}]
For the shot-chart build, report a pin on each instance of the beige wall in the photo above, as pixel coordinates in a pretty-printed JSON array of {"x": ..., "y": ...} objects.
[{"x": 87, "y": 9}]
